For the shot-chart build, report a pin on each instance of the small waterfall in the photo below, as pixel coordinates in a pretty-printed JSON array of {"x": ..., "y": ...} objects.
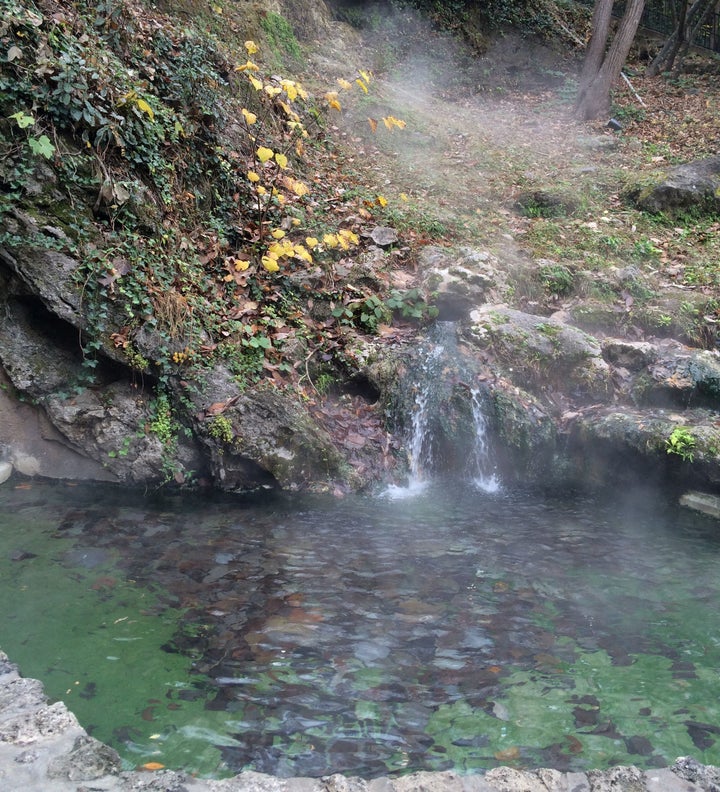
[
  {"x": 439, "y": 423},
  {"x": 482, "y": 470}
]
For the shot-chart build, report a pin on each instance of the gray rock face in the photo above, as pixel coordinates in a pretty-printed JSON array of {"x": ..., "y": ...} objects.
[{"x": 692, "y": 186}]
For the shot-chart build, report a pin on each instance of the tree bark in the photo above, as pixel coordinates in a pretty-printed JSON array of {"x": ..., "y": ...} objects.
[
  {"x": 685, "y": 30},
  {"x": 593, "y": 100}
]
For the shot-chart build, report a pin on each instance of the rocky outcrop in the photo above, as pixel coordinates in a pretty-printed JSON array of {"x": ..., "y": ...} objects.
[
  {"x": 691, "y": 187},
  {"x": 43, "y": 748}
]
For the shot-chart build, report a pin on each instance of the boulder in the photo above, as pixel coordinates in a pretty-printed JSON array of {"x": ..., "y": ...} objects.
[
  {"x": 694, "y": 186},
  {"x": 541, "y": 352}
]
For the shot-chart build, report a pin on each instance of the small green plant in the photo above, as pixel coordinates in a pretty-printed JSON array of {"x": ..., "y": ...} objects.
[
  {"x": 163, "y": 424},
  {"x": 410, "y": 304},
  {"x": 557, "y": 279},
  {"x": 681, "y": 442},
  {"x": 221, "y": 429}
]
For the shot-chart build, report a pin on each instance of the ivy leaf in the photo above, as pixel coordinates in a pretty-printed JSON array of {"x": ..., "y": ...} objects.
[
  {"x": 22, "y": 119},
  {"x": 42, "y": 146}
]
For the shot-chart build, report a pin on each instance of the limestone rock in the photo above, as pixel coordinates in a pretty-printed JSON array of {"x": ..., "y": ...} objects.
[{"x": 541, "y": 351}]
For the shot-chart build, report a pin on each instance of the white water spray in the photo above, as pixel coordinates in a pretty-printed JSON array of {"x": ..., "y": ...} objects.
[{"x": 484, "y": 476}]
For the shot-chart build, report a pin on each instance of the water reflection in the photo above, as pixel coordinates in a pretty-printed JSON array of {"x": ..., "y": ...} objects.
[{"x": 301, "y": 637}]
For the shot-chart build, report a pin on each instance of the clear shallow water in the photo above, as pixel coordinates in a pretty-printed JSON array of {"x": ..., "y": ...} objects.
[{"x": 454, "y": 629}]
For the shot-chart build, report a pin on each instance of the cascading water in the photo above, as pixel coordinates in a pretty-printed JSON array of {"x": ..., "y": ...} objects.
[
  {"x": 483, "y": 473},
  {"x": 438, "y": 376}
]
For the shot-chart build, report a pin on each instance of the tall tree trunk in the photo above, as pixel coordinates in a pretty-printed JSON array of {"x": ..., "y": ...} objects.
[
  {"x": 599, "y": 29},
  {"x": 692, "y": 30},
  {"x": 593, "y": 99},
  {"x": 685, "y": 26}
]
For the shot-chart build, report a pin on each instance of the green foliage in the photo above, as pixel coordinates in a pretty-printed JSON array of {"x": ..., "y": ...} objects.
[
  {"x": 411, "y": 304},
  {"x": 681, "y": 442},
  {"x": 163, "y": 425},
  {"x": 365, "y": 313},
  {"x": 557, "y": 279},
  {"x": 221, "y": 429},
  {"x": 280, "y": 35}
]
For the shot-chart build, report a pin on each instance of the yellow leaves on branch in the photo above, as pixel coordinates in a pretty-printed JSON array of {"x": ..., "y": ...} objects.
[
  {"x": 343, "y": 239},
  {"x": 390, "y": 123},
  {"x": 251, "y": 47},
  {"x": 331, "y": 97},
  {"x": 250, "y": 118},
  {"x": 264, "y": 154},
  {"x": 281, "y": 160}
]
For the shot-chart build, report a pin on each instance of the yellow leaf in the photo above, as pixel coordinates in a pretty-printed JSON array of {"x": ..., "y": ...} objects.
[
  {"x": 300, "y": 189},
  {"x": 256, "y": 84},
  {"x": 272, "y": 90},
  {"x": 302, "y": 253},
  {"x": 250, "y": 118},
  {"x": 241, "y": 264},
  {"x": 366, "y": 75},
  {"x": 311, "y": 242},
  {"x": 270, "y": 264},
  {"x": 381, "y": 201},
  {"x": 344, "y": 84},
  {"x": 153, "y": 766},
  {"x": 331, "y": 97},
  {"x": 299, "y": 148},
  {"x": 264, "y": 154},
  {"x": 404, "y": 197},
  {"x": 361, "y": 84},
  {"x": 251, "y": 47},
  {"x": 391, "y": 121},
  {"x": 295, "y": 221},
  {"x": 253, "y": 177},
  {"x": 145, "y": 107},
  {"x": 290, "y": 89},
  {"x": 281, "y": 160},
  {"x": 247, "y": 66},
  {"x": 373, "y": 124},
  {"x": 278, "y": 233},
  {"x": 260, "y": 190}
]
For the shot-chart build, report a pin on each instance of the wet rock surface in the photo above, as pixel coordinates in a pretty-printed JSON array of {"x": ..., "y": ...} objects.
[{"x": 44, "y": 749}]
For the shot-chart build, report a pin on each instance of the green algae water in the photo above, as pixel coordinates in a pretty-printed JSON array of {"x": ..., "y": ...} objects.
[{"x": 455, "y": 629}]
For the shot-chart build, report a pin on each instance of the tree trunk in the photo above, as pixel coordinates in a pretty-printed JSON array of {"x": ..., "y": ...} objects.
[
  {"x": 685, "y": 27},
  {"x": 593, "y": 98},
  {"x": 600, "y": 27},
  {"x": 690, "y": 33}
]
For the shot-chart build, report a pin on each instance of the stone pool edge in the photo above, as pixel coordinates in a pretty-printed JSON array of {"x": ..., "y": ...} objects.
[{"x": 43, "y": 748}]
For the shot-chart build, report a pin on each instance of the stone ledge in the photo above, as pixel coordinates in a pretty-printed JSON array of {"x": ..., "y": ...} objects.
[{"x": 43, "y": 748}]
